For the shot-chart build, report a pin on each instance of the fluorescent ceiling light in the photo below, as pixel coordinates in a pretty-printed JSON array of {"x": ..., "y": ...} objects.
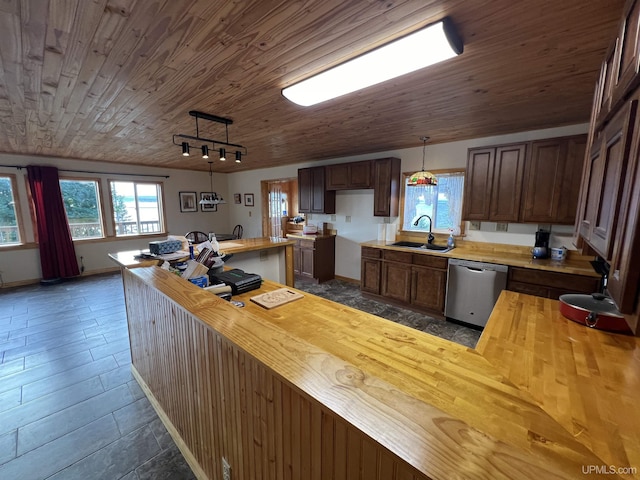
[{"x": 432, "y": 44}]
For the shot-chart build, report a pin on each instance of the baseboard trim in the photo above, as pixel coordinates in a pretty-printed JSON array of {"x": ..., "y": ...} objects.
[
  {"x": 180, "y": 443},
  {"x": 34, "y": 281},
  {"x": 348, "y": 280}
]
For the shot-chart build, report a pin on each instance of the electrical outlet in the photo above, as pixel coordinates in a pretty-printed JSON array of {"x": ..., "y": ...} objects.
[
  {"x": 501, "y": 227},
  {"x": 474, "y": 225},
  {"x": 226, "y": 469},
  {"x": 264, "y": 255},
  {"x": 333, "y": 218},
  {"x": 347, "y": 219}
]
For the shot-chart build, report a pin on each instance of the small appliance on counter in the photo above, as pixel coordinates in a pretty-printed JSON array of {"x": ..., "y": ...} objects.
[{"x": 541, "y": 247}]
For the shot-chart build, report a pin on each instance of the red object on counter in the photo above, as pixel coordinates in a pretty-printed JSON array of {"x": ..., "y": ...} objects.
[{"x": 595, "y": 311}]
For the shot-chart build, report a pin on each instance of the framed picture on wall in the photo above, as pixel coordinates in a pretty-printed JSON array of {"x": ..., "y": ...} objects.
[
  {"x": 248, "y": 199},
  {"x": 207, "y": 207},
  {"x": 188, "y": 202},
  {"x": 237, "y": 198}
]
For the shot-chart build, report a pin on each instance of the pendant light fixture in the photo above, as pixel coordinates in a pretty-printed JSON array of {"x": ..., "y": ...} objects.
[
  {"x": 205, "y": 144},
  {"x": 422, "y": 177},
  {"x": 213, "y": 199}
]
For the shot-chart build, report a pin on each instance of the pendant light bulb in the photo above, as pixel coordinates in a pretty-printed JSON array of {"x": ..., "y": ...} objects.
[
  {"x": 223, "y": 154},
  {"x": 205, "y": 151},
  {"x": 238, "y": 157},
  {"x": 185, "y": 149}
]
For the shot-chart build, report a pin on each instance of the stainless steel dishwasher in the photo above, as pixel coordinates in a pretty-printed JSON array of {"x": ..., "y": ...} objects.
[{"x": 472, "y": 290}]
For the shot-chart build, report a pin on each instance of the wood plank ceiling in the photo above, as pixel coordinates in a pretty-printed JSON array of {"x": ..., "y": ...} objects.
[{"x": 112, "y": 80}]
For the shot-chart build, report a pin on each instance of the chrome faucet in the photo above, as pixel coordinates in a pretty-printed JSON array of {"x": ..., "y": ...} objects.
[{"x": 430, "y": 238}]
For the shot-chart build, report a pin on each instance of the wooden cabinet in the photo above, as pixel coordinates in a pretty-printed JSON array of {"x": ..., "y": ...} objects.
[
  {"x": 396, "y": 275},
  {"x": 429, "y": 282},
  {"x": 413, "y": 280},
  {"x": 349, "y": 176},
  {"x": 547, "y": 284},
  {"x": 314, "y": 259},
  {"x": 493, "y": 183},
  {"x": 386, "y": 187},
  {"x": 370, "y": 270},
  {"x": 602, "y": 181},
  {"x": 552, "y": 180},
  {"x": 312, "y": 196}
]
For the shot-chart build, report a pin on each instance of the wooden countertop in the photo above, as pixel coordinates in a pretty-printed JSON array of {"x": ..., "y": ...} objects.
[
  {"x": 446, "y": 409},
  {"x": 302, "y": 236},
  {"x": 503, "y": 255},
  {"x": 587, "y": 380},
  {"x": 128, "y": 258}
]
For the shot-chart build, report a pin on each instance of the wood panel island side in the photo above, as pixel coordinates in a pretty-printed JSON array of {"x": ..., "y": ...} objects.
[{"x": 314, "y": 390}]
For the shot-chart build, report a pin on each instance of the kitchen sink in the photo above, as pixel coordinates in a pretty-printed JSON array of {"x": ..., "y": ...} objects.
[{"x": 422, "y": 246}]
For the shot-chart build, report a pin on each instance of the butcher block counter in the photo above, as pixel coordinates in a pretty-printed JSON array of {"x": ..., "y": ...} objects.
[
  {"x": 313, "y": 389},
  {"x": 511, "y": 255}
]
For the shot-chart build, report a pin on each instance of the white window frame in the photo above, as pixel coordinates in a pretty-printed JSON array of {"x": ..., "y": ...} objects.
[
  {"x": 99, "y": 197},
  {"x": 460, "y": 226},
  {"x": 141, "y": 230},
  {"x": 16, "y": 205}
]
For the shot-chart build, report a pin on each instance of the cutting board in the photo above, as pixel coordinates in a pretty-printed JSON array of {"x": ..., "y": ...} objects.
[{"x": 276, "y": 298}]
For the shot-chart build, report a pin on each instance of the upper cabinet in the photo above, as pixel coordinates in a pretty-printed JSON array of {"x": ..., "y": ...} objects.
[
  {"x": 386, "y": 187},
  {"x": 349, "y": 176},
  {"x": 312, "y": 195},
  {"x": 534, "y": 182},
  {"x": 493, "y": 183},
  {"x": 552, "y": 180},
  {"x": 318, "y": 195}
]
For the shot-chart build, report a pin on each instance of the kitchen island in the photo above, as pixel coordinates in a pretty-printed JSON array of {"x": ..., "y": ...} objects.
[{"x": 314, "y": 389}]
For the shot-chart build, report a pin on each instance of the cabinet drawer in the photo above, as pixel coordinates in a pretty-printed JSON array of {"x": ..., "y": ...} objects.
[
  {"x": 536, "y": 290},
  {"x": 369, "y": 252},
  {"x": 308, "y": 244},
  {"x": 425, "y": 260},
  {"x": 577, "y": 283},
  {"x": 395, "y": 256}
]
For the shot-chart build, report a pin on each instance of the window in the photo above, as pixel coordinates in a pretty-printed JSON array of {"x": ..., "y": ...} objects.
[
  {"x": 81, "y": 200},
  {"x": 137, "y": 208},
  {"x": 9, "y": 228},
  {"x": 442, "y": 203}
]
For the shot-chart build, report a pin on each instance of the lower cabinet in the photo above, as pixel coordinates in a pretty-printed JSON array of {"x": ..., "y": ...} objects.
[
  {"x": 415, "y": 280},
  {"x": 314, "y": 259},
  {"x": 550, "y": 284}
]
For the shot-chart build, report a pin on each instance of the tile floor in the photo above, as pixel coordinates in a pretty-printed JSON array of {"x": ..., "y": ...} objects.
[{"x": 69, "y": 407}]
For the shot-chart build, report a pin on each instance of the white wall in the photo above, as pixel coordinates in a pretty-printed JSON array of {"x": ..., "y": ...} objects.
[
  {"x": 358, "y": 204},
  {"x": 23, "y": 265}
]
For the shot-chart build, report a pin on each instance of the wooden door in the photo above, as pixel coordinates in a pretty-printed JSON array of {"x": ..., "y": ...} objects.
[
  {"x": 608, "y": 162},
  {"x": 428, "y": 288},
  {"x": 477, "y": 183},
  {"x": 506, "y": 190},
  {"x": 396, "y": 281}
]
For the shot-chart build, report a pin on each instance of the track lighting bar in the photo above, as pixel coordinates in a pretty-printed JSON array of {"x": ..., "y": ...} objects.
[{"x": 182, "y": 140}]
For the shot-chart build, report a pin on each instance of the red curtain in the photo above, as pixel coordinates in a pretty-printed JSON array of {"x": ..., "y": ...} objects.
[{"x": 57, "y": 253}]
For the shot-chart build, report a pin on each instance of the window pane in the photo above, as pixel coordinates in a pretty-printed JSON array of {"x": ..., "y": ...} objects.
[
  {"x": 442, "y": 203},
  {"x": 136, "y": 208},
  {"x": 9, "y": 232},
  {"x": 82, "y": 205}
]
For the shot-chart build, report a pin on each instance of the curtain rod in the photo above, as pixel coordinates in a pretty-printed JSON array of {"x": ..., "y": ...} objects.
[{"x": 20, "y": 167}]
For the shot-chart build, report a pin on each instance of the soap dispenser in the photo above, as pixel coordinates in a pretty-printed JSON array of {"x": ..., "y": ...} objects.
[{"x": 450, "y": 241}]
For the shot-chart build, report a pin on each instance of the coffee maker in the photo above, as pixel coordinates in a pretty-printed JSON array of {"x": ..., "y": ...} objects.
[{"x": 541, "y": 248}]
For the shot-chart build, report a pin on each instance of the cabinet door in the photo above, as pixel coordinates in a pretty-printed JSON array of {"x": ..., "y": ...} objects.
[
  {"x": 428, "y": 288},
  {"x": 360, "y": 174},
  {"x": 506, "y": 190},
  {"x": 370, "y": 275},
  {"x": 552, "y": 180},
  {"x": 477, "y": 183},
  {"x": 296, "y": 259},
  {"x": 322, "y": 201},
  {"x": 337, "y": 176},
  {"x": 396, "y": 281},
  {"x": 608, "y": 76},
  {"x": 629, "y": 43},
  {"x": 386, "y": 188},
  {"x": 304, "y": 190},
  {"x": 607, "y": 164},
  {"x": 307, "y": 256}
]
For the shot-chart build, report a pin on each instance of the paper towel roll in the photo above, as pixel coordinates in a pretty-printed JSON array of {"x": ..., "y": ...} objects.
[
  {"x": 382, "y": 231},
  {"x": 392, "y": 228}
]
